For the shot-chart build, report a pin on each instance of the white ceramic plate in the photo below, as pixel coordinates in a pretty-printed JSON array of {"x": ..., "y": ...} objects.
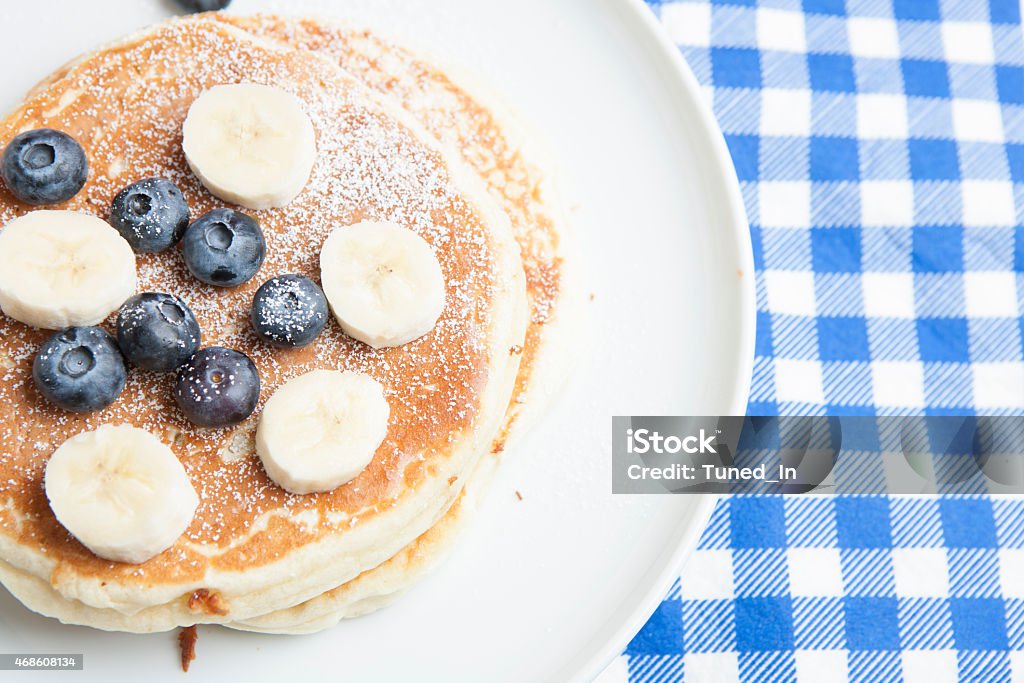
[{"x": 553, "y": 586}]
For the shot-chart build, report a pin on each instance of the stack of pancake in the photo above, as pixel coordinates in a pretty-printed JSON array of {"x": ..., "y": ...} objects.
[{"x": 398, "y": 140}]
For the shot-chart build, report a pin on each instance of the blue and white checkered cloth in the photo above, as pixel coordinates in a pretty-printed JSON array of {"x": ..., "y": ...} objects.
[{"x": 880, "y": 150}]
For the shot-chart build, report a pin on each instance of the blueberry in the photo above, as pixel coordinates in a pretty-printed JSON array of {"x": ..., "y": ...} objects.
[
  {"x": 157, "y": 331},
  {"x": 224, "y": 247},
  {"x": 44, "y": 166},
  {"x": 80, "y": 369},
  {"x": 151, "y": 214},
  {"x": 288, "y": 311},
  {"x": 203, "y": 5},
  {"x": 217, "y": 387}
]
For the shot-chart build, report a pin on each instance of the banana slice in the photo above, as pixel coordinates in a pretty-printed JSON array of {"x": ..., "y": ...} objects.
[
  {"x": 383, "y": 282},
  {"x": 63, "y": 269},
  {"x": 121, "y": 492},
  {"x": 250, "y": 144},
  {"x": 321, "y": 429}
]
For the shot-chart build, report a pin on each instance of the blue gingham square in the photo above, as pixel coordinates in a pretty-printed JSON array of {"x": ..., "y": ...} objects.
[{"x": 879, "y": 146}]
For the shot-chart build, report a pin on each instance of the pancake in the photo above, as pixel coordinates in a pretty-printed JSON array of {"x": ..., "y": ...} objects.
[
  {"x": 485, "y": 137},
  {"x": 252, "y": 546},
  {"x": 483, "y": 133}
]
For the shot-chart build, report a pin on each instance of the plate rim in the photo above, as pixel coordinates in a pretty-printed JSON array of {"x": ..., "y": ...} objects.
[{"x": 645, "y": 20}]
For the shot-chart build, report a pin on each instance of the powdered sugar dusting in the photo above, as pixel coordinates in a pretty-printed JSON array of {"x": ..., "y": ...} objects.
[{"x": 126, "y": 108}]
